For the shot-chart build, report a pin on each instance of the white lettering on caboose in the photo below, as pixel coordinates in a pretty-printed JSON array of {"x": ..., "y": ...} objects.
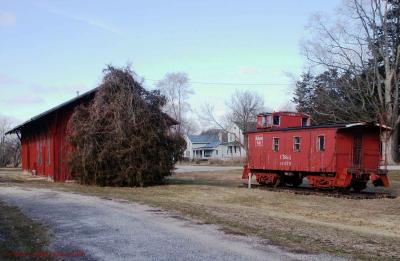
[
  {"x": 259, "y": 140},
  {"x": 286, "y": 160},
  {"x": 285, "y": 157}
]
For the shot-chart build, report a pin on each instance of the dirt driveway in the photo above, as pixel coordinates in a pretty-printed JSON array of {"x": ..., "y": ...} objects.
[{"x": 118, "y": 230}]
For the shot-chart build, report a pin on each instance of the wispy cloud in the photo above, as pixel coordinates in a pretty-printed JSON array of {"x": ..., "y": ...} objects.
[
  {"x": 7, "y": 19},
  {"x": 7, "y": 80},
  {"x": 25, "y": 99},
  {"x": 90, "y": 21},
  {"x": 71, "y": 89},
  {"x": 249, "y": 70},
  {"x": 8, "y": 121}
]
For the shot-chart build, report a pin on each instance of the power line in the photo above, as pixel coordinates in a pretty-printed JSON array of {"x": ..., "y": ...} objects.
[{"x": 230, "y": 83}]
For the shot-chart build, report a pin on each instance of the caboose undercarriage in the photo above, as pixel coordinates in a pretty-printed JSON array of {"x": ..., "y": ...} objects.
[{"x": 355, "y": 179}]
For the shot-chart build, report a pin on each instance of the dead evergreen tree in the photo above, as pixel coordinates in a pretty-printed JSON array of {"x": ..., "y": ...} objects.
[
  {"x": 122, "y": 138},
  {"x": 362, "y": 46}
]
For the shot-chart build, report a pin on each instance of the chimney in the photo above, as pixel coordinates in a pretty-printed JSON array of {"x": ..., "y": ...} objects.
[{"x": 220, "y": 136}]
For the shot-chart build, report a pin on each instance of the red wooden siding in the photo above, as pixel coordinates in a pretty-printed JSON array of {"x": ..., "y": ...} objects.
[
  {"x": 370, "y": 149},
  {"x": 309, "y": 158},
  {"x": 45, "y": 150},
  {"x": 337, "y": 157}
]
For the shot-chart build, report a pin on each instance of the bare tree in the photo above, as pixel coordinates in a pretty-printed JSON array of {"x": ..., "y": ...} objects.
[
  {"x": 207, "y": 117},
  {"x": 177, "y": 90},
  {"x": 243, "y": 109},
  {"x": 10, "y": 145},
  {"x": 244, "y": 106},
  {"x": 191, "y": 126},
  {"x": 363, "y": 44}
]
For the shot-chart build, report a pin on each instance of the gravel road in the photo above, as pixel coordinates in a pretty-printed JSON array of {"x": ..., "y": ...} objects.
[
  {"x": 191, "y": 168},
  {"x": 107, "y": 229}
]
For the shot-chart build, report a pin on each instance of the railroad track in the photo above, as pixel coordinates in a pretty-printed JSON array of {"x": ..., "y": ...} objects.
[{"x": 327, "y": 192}]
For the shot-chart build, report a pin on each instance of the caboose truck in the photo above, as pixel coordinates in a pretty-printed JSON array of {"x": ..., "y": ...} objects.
[{"x": 285, "y": 148}]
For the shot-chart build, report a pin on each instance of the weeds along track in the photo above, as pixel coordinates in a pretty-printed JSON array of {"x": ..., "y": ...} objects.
[{"x": 328, "y": 192}]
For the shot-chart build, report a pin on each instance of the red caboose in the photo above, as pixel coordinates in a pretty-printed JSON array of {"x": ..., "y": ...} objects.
[{"x": 285, "y": 148}]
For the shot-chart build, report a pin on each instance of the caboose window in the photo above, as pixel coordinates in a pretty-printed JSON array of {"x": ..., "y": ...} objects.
[
  {"x": 321, "y": 143},
  {"x": 276, "y": 120},
  {"x": 264, "y": 121},
  {"x": 275, "y": 144},
  {"x": 304, "y": 122},
  {"x": 296, "y": 143}
]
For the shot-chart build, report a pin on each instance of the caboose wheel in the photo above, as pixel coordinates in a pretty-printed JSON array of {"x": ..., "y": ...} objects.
[
  {"x": 358, "y": 185},
  {"x": 277, "y": 182},
  {"x": 297, "y": 182}
]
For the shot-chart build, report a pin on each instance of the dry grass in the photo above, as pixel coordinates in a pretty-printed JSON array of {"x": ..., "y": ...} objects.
[
  {"x": 19, "y": 235},
  {"x": 361, "y": 229}
]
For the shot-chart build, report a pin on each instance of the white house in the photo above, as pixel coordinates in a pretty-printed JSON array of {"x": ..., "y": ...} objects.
[
  {"x": 201, "y": 146},
  {"x": 216, "y": 146}
]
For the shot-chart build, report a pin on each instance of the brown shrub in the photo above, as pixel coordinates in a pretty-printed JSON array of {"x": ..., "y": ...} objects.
[{"x": 122, "y": 138}]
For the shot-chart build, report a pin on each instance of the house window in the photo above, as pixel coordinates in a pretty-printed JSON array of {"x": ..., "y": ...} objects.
[
  {"x": 216, "y": 152},
  {"x": 296, "y": 143},
  {"x": 277, "y": 120},
  {"x": 321, "y": 143},
  {"x": 207, "y": 153},
  {"x": 235, "y": 149},
  {"x": 275, "y": 144}
]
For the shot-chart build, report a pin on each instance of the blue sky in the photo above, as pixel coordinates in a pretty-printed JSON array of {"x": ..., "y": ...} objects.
[{"x": 49, "y": 50}]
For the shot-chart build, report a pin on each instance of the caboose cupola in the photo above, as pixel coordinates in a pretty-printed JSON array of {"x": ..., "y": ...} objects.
[{"x": 278, "y": 120}]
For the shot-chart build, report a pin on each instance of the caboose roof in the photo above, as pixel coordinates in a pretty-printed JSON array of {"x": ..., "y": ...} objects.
[
  {"x": 326, "y": 126},
  {"x": 281, "y": 113}
]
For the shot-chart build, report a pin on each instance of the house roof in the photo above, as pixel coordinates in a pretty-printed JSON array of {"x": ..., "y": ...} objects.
[
  {"x": 72, "y": 101},
  {"x": 210, "y": 146},
  {"x": 203, "y": 138},
  {"x": 284, "y": 113},
  {"x": 209, "y": 141}
]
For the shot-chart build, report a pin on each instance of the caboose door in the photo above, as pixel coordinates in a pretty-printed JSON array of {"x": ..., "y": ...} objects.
[{"x": 357, "y": 150}]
